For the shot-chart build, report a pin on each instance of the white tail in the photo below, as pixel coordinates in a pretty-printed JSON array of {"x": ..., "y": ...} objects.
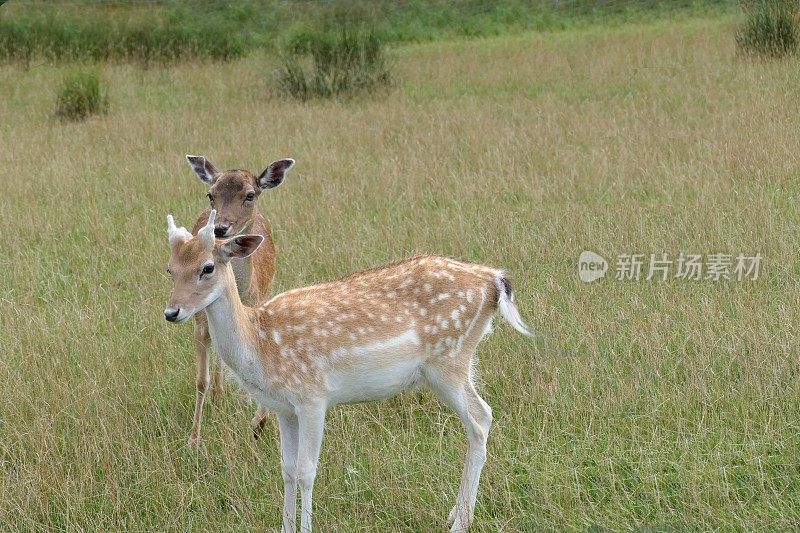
[{"x": 507, "y": 306}]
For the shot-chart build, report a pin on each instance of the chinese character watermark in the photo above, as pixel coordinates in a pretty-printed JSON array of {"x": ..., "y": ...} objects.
[{"x": 662, "y": 267}]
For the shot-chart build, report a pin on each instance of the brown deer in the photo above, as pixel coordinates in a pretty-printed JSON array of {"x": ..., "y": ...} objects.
[
  {"x": 234, "y": 195},
  {"x": 361, "y": 338}
]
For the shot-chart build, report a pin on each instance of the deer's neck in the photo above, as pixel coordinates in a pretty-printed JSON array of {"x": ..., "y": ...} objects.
[{"x": 232, "y": 331}]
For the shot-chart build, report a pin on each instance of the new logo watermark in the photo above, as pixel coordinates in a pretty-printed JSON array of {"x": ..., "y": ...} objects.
[
  {"x": 661, "y": 267},
  {"x": 591, "y": 266}
]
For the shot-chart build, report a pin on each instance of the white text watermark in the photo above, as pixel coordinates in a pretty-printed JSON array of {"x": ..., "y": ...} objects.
[{"x": 661, "y": 267}]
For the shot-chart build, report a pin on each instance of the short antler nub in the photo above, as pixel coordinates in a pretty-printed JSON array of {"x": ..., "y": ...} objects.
[
  {"x": 174, "y": 233},
  {"x": 207, "y": 233}
]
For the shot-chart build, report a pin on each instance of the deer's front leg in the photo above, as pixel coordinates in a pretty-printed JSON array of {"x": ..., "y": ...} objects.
[
  {"x": 311, "y": 426},
  {"x": 216, "y": 382},
  {"x": 201, "y": 343},
  {"x": 289, "y": 437}
]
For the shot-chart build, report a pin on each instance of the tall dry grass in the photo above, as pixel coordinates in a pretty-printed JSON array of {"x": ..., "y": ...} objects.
[{"x": 660, "y": 405}]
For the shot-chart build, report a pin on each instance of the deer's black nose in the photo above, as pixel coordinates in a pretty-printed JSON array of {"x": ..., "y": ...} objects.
[
  {"x": 171, "y": 314},
  {"x": 220, "y": 231}
]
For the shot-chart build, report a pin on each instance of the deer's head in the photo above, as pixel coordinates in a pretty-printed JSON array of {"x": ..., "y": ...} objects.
[
  {"x": 234, "y": 193},
  {"x": 198, "y": 266}
]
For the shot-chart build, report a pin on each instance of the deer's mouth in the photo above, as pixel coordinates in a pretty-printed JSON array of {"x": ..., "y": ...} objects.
[{"x": 177, "y": 315}]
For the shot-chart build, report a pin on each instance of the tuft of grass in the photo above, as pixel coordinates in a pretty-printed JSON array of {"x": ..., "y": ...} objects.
[
  {"x": 770, "y": 28},
  {"x": 81, "y": 95},
  {"x": 333, "y": 63}
]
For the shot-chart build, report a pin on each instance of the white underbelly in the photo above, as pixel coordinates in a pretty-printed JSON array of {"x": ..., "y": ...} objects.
[{"x": 374, "y": 371}]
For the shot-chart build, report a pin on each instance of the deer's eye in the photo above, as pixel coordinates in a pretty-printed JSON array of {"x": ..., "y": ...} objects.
[
  {"x": 207, "y": 269},
  {"x": 250, "y": 197},
  {"x": 210, "y": 198}
]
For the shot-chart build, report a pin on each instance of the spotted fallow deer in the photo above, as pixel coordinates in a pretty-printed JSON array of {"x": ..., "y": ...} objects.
[
  {"x": 364, "y": 337},
  {"x": 234, "y": 195}
]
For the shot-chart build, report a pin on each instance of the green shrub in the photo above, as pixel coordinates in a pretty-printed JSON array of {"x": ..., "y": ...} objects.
[
  {"x": 178, "y": 30},
  {"x": 80, "y": 96},
  {"x": 770, "y": 28},
  {"x": 333, "y": 63},
  {"x": 55, "y": 37}
]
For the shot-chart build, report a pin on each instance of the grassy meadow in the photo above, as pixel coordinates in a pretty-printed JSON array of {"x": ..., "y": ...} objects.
[{"x": 652, "y": 406}]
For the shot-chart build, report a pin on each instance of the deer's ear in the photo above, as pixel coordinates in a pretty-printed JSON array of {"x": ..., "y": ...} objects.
[
  {"x": 273, "y": 176},
  {"x": 203, "y": 168},
  {"x": 240, "y": 246}
]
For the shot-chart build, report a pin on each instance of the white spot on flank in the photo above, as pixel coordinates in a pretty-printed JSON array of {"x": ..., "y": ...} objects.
[
  {"x": 423, "y": 311},
  {"x": 444, "y": 296},
  {"x": 428, "y": 287},
  {"x": 262, "y": 334},
  {"x": 276, "y": 336}
]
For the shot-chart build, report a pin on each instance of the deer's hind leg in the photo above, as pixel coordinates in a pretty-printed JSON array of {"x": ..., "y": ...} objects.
[
  {"x": 216, "y": 382},
  {"x": 451, "y": 381},
  {"x": 258, "y": 422}
]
